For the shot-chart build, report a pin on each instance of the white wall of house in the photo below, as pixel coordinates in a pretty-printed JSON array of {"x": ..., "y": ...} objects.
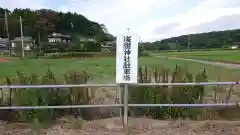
[
  {"x": 27, "y": 46},
  {"x": 54, "y": 40},
  {"x": 13, "y": 44},
  {"x": 234, "y": 47},
  {"x": 57, "y": 40}
]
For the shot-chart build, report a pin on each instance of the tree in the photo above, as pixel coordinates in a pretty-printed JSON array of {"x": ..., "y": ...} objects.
[
  {"x": 216, "y": 39},
  {"x": 104, "y": 28},
  {"x": 45, "y": 21}
]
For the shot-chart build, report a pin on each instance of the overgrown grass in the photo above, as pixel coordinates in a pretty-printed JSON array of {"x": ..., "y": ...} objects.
[
  {"x": 71, "y": 96},
  {"x": 43, "y": 96},
  {"x": 103, "y": 69},
  {"x": 229, "y": 56},
  {"x": 168, "y": 94}
]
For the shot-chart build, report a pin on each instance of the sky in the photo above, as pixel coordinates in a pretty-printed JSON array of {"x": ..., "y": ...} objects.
[{"x": 150, "y": 19}]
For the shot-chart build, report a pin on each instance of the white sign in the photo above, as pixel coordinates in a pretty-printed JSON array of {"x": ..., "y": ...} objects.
[{"x": 127, "y": 58}]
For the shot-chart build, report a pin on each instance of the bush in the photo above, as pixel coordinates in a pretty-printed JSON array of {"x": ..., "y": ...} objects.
[
  {"x": 71, "y": 47},
  {"x": 84, "y": 55},
  {"x": 55, "y": 47},
  {"x": 163, "y": 94},
  {"x": 45, "y": 96},
  {"x": 144, "y": 54},
  {"x": 78, "y": 96},
  {"x": 92, "y": 47},
  {"x": 79, "y": 55}
]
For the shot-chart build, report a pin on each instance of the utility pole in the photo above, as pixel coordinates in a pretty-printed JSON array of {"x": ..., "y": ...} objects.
[
  {"x": 22, "y": 36},
  {"x": 8, "y": 35},
  {"x": 188, "y": 42},
  {"x": 39, "y": 43},
  {"x": 128, "y": 29}
]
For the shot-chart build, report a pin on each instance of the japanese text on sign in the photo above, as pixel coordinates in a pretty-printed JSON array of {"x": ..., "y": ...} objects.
[{"x": 127, "y": 58}]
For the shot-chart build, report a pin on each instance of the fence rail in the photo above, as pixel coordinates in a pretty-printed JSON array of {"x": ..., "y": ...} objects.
[
  {"x": 114, "y": 85},
  {"x": 119, "y": 105},
  {"x": 125, "y": 105}
]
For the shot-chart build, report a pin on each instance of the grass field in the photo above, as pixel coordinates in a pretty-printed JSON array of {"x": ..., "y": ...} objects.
[
  {"x": 228, "y": 56},
  {"x": 103, "y": 69}
]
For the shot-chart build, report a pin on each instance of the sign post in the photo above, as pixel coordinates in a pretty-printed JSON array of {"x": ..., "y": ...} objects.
[{"x": 126, "y": 65}]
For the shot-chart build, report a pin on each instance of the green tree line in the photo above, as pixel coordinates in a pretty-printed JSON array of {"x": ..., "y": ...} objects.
[
  {"x": 216, "y": 39},
  {"x": 46, "y": 21}
]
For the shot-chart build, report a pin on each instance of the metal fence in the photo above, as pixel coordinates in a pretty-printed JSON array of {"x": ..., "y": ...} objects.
[{"x": 125, "y": 103}]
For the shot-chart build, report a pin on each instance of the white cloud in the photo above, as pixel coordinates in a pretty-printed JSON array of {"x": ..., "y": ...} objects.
[
  {"x": 11, "y": 4},
  {"x": 116, "y": 15},
  {"x": 207, "y": 11},
  {"x": 151, "y": 19},
  {"x": 144, "y": 16}
]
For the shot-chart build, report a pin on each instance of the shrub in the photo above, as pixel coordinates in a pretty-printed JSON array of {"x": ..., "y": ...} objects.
[
  {"x": 45, "y": 96},
  {"x": 55, "y": 47},
  {"x": 79, "y": 55},
  {"x": 92, "y": 46},
  {"x": 88, "y": 46},
  {"x": 163, "y": 94}
]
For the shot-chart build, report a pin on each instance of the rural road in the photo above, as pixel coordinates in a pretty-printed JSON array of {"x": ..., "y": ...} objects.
[{"x": 226, "y": 65}]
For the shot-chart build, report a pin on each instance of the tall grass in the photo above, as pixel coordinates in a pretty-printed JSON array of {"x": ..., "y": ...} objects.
[
  {"x": 44, "y": 96},
  {"x": 79, "y": 96},
  {"x": 167, "y": 94}
]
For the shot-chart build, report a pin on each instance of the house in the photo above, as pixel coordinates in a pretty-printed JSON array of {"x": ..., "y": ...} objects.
[
  {"x": 28, "y": 42},
  {"x": 58, "y": 38},
  {"x": 4, "y": 45},
  {"x": 109, "y": 46},
  {"x": 234, "y": 46}
]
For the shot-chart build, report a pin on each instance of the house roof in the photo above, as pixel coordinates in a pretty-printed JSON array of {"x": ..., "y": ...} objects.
[
  {"x": 3, "y": 41},
  {"x": 58, "y": 35},
  {"x": 25, "y": 38}
]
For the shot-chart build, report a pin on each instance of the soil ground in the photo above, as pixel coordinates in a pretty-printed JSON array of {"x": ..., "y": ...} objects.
[
  {"x": 3, "y": 60},
  {"x": 137, "y": 126}
]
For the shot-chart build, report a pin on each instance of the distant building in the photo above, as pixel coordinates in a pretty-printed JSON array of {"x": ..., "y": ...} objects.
[
  {"x": 58, "y": 38},
  {"x": 235, "y": 47},
  {"x": 108, "y": 46},
  {"x": 28, "y": 42},
  {"x": 4, "y": 44}
]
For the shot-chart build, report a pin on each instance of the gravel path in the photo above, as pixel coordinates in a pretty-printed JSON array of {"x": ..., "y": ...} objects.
[
  {"x": 137, "y": 126},
  {"x": 226, "y": 65}
]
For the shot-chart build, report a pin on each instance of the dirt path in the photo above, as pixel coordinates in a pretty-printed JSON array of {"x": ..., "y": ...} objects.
[
  {"x": 226, "y": 65},
  {"x": 3, "y": 60},
  {"x": 137, "y": 126}
]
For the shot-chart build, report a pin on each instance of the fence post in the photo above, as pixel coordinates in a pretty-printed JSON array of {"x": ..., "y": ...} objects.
[
  {"x": 125, "y": 105},
  {"x": 120, "y": 101}
]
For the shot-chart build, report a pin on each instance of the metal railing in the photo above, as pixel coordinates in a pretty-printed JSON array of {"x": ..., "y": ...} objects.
[{"x": 125, "y": 103}]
